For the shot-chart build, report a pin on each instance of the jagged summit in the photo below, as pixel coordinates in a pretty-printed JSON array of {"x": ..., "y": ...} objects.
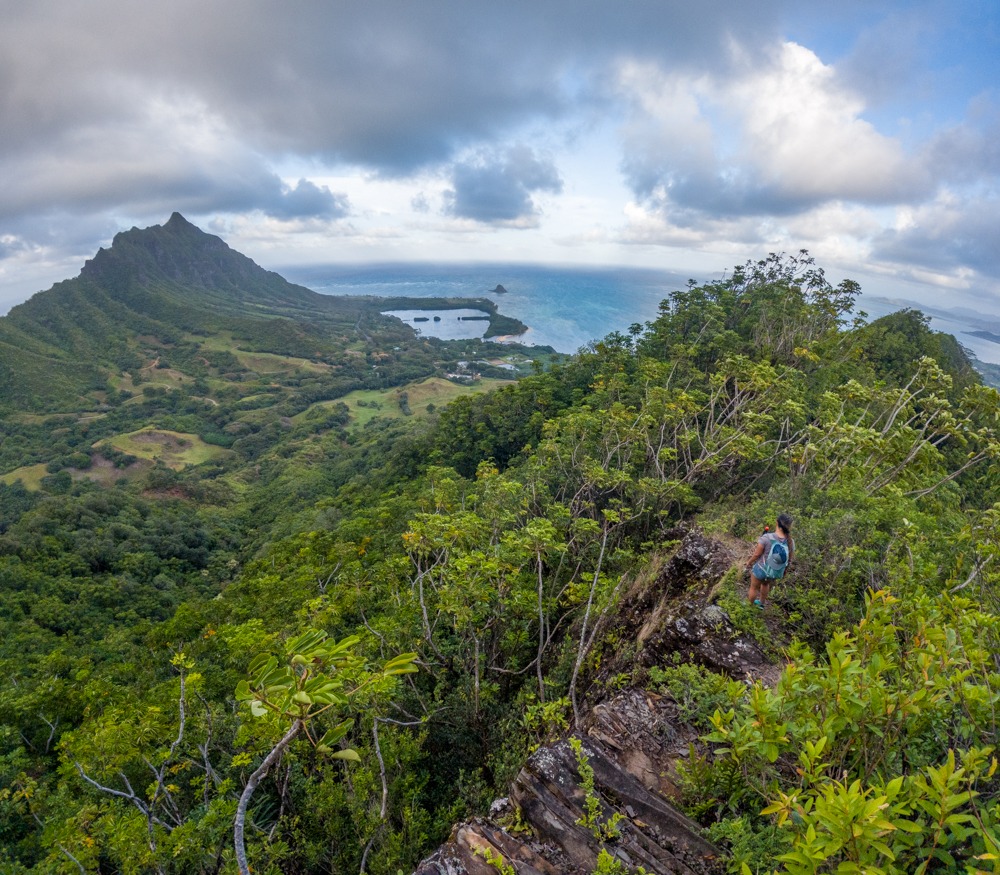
[
  {"x": 179, "y": 253},
  {"x": 176, "y": 221},
  {"x": 163, "y": 282}
]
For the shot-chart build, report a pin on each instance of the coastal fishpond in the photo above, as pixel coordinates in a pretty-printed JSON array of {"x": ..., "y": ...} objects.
[{"x": 459, "y": 324}]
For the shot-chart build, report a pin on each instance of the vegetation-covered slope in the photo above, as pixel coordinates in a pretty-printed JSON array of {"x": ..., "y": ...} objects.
[
  {"x": 174, "y": 284},
  {"x": 155, "y": 632}
]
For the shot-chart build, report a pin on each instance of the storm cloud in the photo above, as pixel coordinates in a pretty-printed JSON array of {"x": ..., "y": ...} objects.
[
  {"x": 499, "y": 188},
  {"x": 391, "y": 85},
  {"x": 306, "y": 200},
  {"x": 651, "y": 129}
]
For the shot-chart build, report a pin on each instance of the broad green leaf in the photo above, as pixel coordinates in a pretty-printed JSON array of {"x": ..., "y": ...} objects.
[
  {"x": 332, "y": 736},
  {"x": 348, "y": 754}
]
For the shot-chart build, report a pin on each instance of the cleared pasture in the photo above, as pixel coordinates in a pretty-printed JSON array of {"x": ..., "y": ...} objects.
[
  {"x": 367, "y": 404},
  {"x": 174, "y": 449}
]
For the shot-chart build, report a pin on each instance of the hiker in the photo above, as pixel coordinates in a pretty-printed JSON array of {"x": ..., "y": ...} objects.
[{"x": 770, "y": 559}]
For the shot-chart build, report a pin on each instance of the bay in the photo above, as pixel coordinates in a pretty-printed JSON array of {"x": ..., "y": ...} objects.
[
  {"x": 565, "y": 307},
  {"x": 459, "y": 324},
  {"x": 569, "y": 307}
]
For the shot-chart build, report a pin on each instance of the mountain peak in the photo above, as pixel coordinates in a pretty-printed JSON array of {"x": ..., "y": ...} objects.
[
  {"x": 181, "y": 261},
  {"x": 177, "y": 221}
]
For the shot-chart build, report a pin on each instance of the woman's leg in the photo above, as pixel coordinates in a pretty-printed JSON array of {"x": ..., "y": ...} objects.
[
  {"x": 755, "y": 587},
  {"x": 765, "y": 588}
]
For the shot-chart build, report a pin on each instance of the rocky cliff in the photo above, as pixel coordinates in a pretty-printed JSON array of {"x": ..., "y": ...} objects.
[{"x": 631, "y": 741}]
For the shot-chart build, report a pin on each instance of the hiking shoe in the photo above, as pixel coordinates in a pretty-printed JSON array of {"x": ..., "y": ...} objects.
[{"x": 758, "y": 604}]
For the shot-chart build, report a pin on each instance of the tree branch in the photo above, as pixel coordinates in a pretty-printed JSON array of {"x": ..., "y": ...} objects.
[{"x": 241, "y": 809}]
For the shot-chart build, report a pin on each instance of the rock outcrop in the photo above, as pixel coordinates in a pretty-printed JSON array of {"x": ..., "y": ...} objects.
[
  {"x": 675, "y": 613},
  {"x": 542, "y": 833},
  {"x": 632, "y": 742}
]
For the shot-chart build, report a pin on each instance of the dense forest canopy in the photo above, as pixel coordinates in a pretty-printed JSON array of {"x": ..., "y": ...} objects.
[{"x": 229, "y": 632}]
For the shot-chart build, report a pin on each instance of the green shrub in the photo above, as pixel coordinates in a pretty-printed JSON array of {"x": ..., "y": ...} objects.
[{"x": 697, "y": 691}]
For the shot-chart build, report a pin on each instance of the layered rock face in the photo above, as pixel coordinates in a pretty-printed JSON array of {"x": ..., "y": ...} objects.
[{"x": 631, "y": 742}]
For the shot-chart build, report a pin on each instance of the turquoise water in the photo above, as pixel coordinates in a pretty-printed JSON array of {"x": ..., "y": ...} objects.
[{"x": 565, "y": 308}]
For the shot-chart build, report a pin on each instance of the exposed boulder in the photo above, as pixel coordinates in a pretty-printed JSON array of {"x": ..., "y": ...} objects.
[
  {"x": 644, "y": 733},
  {"x": 671, "y": 614}
]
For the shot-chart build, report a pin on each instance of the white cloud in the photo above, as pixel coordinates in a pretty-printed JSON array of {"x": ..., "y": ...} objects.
[
  {"x": 668, "y": 134},
  {"x": 778, "y": 139},
  {"x": 652, "y": 226},
  {"x": 946, "y": 239},
  {"x": 804, "y": 135},
  {"x": 347, "y": 130}
]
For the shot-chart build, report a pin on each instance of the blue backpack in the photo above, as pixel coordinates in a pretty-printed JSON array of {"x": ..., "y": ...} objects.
[{"x": 776, "y": 560}]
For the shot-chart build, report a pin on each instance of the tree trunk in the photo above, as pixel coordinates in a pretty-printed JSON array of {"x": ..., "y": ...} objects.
[{"x": 255, "y": 779}]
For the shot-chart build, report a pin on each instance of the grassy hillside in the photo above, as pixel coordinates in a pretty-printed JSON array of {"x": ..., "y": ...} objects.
[
  {"x": 174, "y": 288},
  {"x": 434, "y": 392},
  {"x": 174, "y": 449}
]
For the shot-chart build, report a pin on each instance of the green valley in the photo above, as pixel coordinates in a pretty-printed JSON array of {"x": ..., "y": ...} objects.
[{"x": 285, "y": 587}]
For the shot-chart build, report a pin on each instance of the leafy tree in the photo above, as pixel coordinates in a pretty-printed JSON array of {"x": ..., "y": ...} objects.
[{"x": 320, "y": 678}]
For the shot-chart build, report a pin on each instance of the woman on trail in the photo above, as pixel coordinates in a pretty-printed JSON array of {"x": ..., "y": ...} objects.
[{"x": 771, "y": 557}]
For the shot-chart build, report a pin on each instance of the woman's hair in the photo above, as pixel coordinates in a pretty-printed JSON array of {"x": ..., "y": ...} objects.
[{"x": 785, "y": 523}]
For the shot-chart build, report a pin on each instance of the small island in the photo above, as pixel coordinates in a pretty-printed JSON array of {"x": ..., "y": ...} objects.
[{"x": 499, "y": 290}]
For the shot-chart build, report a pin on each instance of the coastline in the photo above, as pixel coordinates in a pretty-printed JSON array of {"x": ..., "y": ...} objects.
[{"x": 566, "y": 308}]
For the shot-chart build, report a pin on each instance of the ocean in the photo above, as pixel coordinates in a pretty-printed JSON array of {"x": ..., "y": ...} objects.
[{"x": 567, "y": 307}]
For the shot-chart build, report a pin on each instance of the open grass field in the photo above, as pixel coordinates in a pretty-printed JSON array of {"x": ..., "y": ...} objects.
[
  {"x": 366, "y": 404},
  {"x": 175, "y": 449},
  {"x": 157, "y": 376},
  {"x": 30, "y": 476},
  {"x": 122, "y": 382},
  {"x": 439, "y": 392},
  {"x": 259, "y": 362},
  {"x": 269, "y": 363},
  {"x": 102, "y": 472}
]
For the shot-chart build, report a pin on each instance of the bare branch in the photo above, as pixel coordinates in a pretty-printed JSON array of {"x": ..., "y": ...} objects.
[
  {"x": 52, "y": 734},
  {"x": 381, "y": 772},
  {"x": 239, "y": 823},
  {"x": 976, "y": 570},
  {"x": 68, "y": 854}
]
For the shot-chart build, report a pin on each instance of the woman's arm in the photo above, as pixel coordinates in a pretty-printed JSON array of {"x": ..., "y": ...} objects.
[{"x": 757, "y": 553}]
